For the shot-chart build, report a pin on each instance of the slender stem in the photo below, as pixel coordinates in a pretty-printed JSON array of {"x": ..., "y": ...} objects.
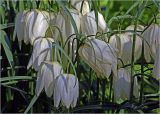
[
  {"x": 110, "y": 89},
  {"x": 132, "y": 63},
  {"x": 142, "y": 72},
  {"x": 97, "y": 88},
  {"x": 103, "y": 90}
]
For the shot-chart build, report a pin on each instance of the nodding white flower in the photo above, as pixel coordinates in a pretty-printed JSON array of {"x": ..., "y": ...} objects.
[
  {"x": 139, "y": 29},
  {"x": 46, "y": 77},
  {"x": 124, "y": 42},
  {"x": 19, "y": 27},
  {"x": 151, "y": 41},
  {"x": 37, "y": 23},
  {"x": 100, "y": 56},
  {"x": 84, "y": 5},
  {"x": 151, "y": 47},
  {"x": 122, "y": 85},
  {"x": 31, "y": 25},
  {"x": 73, "y": 2},
  {"x": 66, "y": 90},
  {"x": 63, "y": 22},
  {"x": 42, "y": 51},
  {"x": 156, "y": 68},
  {"x": 89, "y": 25}
]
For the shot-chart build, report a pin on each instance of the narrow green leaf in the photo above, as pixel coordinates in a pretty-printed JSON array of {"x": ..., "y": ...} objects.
[
  {"x": 6, "y": 47},
  {"x": 16, "y": 78},
  {"x": 9, "y": 83},
  {"x": 132, "y": 7},
  {"x": 21, "y": 5},
  {"x": 4, "y": 26},
  {"x": 34, "y": 99},
  {"x": 157, "y": 3}
]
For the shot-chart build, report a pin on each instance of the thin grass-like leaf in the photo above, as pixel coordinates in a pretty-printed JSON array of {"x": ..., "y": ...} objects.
[
  {"x": 6, "y": 47},
  {"x": 34, "y": 99},
  {"x": 15, "y": 78}
]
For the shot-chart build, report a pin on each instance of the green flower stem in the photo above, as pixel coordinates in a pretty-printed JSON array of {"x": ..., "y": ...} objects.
[
  {"x": 142, "y": 72},
  {"x": 140, "y": 10},
  {"x": 132, "y": 62},
  {"x": 110, "y": 89}
]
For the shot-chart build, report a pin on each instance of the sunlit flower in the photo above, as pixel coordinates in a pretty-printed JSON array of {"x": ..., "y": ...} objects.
[
  {"x": 156, "y": 68},
  {"x": 100, "y": 56},
  {"x": 19, "y": 27},
  {"x": 63, "y": 22},
  {"x": 31, "y": 25},
  {"x": 42, "y": 50},
  {"x": 89, "y": 25},
  {"x": 84, "y": 5},
  {"x": 73, "y": 2},
  {"x": 46, "y": 77},
  {"x": 37, "y": 23},
  {"x": 124, "y": 42},
  {"x": 122, "y": 85},
  {"x": 151, "y": 47},
  {"x": 66, "y": 90}
]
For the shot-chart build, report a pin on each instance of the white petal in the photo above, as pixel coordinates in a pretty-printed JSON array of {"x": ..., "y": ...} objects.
[
  {"x": 48, "y": 79},
  {"x": 57, "y": 93},
  {"x": 101, "y": 22},
  {"x": 30, "y": 22},
  {"x": 40, "y": 82},
  {"x": 156, "y": 68},
  {"x": 85, "y": 8},
  {"x": 40, "y": 25},
  {"x": 88, "y": 24}
]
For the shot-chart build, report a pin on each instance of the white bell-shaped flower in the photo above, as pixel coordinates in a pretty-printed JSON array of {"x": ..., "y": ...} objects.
[
  {"x": 31, "y": 25},
  {"x": 124, "y": 42},
  {"x": 151, "y": 47},
  {"x": 138, "y": 41},
  {"x": 151, "y": 41},
  {"x": 156, "y": 68},
  {"x": 42, "y": 51},
  {"x": 122, "y": 85},
  {"x": 19, "y": 27},
  {"x": 139, "y": 29},
  {"x": 84, "y": 5},
  {"x": 89, "y": 25},
  {"x": 66, "y": 90},
  {"x": 37, "y": 23},
  {"x": 100, "y": 56},
  {"x": 73, "y": 2},
  {"x": 63, "y": 22},
  {"x": 46, "y": 77}
]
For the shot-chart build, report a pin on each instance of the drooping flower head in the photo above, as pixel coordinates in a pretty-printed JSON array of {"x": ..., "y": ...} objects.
[
  {"x": 152, "y": 47},
  {"x": 46, "y": 77},
  {"x": 66, "y": 90},
  {"x": 100, "y": 56},
  {"x": 89, "y": 25},
  {"x": 42, "y": 51},
  {"x": 122, "y": 85}
]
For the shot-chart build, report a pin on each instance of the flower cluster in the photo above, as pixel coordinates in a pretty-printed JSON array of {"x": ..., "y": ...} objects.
[{"x": 41, "y": 29}]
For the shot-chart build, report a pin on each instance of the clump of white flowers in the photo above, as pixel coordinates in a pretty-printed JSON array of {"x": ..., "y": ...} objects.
[
  {"x": 32, "y": 27},
  {"x": 104, "y": 58}
]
